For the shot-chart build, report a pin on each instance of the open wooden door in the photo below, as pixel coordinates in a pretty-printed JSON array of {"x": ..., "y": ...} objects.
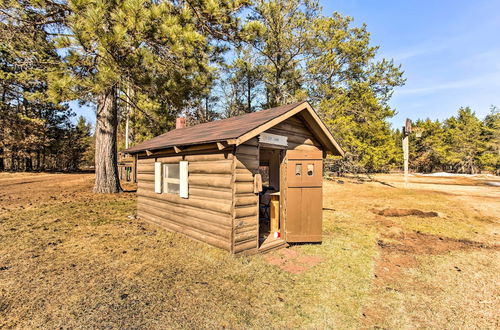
[{"x": 304, "y": 196}]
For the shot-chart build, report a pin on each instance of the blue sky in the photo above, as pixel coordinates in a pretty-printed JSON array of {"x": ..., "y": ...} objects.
[{"x": 449, "y": 50}]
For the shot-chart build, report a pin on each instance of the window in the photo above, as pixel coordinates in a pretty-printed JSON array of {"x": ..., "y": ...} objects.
[
  {"x": 310, "y": 169},
  {"x": 171, "y": 182},
  {"x": 298, "y": 169},
  {"x": 172, "y": 178}
]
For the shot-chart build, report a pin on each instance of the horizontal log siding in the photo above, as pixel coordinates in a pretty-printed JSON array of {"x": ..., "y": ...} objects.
[
  {"x": 246, "y": 202},
  {"x": 207, "y": 215},
  {"x": 299, "y": 136}
]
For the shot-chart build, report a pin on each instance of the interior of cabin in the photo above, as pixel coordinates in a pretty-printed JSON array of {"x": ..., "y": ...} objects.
[{"x": 269, "y": 198}]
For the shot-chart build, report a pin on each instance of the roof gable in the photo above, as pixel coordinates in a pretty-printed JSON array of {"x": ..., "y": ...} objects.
[{"x": 237, "y": 130}]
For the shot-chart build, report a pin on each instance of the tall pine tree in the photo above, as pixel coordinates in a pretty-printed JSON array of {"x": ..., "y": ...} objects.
[
  {"x": 159, "y": 49},
  {"x": 352, "y": 90}
]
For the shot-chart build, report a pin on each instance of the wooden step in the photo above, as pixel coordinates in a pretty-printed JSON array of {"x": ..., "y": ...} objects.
[{"x": 270, "y": 245}]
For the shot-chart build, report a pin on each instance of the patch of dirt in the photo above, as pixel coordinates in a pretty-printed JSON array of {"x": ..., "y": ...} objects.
[
  {"x": 398, "y": 254},
  {"x": 391, "y": 212},
  {"x": 24, "y": 191},
  {"x": 396, "y": 257},
  {"x": 419, "y": 243},
  {"x": 290, "y": 261}
]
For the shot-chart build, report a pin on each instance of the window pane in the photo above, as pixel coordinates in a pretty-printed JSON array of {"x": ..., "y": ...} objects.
[
  {"x": 172, "y": 171},
  {"x": 298, "y": 169},
  {"x": 173, "y": 188},
  {"x": 310, "y": 169}
]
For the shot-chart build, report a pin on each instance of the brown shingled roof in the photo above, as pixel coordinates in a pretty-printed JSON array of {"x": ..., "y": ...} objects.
[
  {"x": 215, "y": 131},
  {"x": 226, "y": 129}
]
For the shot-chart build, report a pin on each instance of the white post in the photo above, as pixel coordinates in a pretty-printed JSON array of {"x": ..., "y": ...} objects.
[{"x": 405, "y": 157}]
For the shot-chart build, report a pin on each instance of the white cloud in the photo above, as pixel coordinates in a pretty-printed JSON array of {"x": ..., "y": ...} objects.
[
  {"x": 432, "y": 46},
  {"x": 486, "y": 59},
  {"x": 487, "y": 80},
  {"x": 417, "y": 51}
]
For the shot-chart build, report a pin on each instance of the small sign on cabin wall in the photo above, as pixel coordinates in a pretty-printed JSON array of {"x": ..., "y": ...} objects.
[{"x": 268, "y": 138}]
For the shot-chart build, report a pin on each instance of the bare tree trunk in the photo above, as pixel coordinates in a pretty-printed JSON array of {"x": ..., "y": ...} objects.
[
  {"x": 106, "y": 169},
  {"x": 28, "y": 167},
  {"x": 249, "y": 93},
  {"x": 38, "y": 160}
]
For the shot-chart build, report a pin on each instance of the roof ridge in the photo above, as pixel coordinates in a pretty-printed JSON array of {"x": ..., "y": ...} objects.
[{"x": 239, "y": 116}]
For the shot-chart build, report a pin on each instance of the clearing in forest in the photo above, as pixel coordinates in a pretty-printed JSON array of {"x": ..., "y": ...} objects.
[{"x": 427, "y": 256}]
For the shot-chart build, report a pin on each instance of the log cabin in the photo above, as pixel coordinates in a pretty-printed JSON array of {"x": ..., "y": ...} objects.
[{"x": 245, "y": 184}]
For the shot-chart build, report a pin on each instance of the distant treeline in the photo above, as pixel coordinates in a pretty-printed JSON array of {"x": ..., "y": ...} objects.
[
  {"x": 32, "y": 143},
  {"x": 151, "y": 61},
  {"x": 460, "y": 144}
]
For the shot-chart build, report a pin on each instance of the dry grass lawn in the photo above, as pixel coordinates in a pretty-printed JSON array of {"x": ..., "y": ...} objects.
[{"x": 69, "y": 258}]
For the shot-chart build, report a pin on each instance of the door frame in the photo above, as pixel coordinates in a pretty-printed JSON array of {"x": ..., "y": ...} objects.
[
  {"x": 283, "y": 190},
  {"x": 282, "y": 175}
]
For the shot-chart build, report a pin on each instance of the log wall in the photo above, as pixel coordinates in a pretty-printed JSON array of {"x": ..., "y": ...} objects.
[
  {"x": 246, "y": 202},
  {"x": 207, "y": 215}
]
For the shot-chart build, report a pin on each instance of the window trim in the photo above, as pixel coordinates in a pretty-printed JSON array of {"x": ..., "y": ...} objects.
[
  {"x": 161, "y": 180},
  {"x": 166, "y": 180}
]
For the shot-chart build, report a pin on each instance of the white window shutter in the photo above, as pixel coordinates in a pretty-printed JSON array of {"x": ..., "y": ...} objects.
[
  {"x": 158, "y": 177},
  {"x": 183, "y": 179}
]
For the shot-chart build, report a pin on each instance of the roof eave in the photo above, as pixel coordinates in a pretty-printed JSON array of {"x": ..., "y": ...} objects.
[{"x": 226, "y": 141}]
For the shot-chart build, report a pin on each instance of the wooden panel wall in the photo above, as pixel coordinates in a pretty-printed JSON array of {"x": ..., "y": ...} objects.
[
  {"x": 246, "y": 202},
  {"x": 207, "y": 215},
  {"x": 299, "y": 136}
]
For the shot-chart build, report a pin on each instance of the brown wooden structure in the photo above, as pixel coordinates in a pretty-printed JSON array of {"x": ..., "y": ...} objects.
[
  {"x": 216, "y": 182},
  {"x": 127, "y": 168}
]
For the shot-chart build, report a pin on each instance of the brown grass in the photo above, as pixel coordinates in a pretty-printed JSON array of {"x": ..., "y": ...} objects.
[{"x": 69, "y": 258}]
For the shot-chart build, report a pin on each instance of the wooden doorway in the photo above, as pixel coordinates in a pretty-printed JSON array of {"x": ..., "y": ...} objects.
[
  {"x": 304, "y": 196},
  {"x": 270, "y": 163}
]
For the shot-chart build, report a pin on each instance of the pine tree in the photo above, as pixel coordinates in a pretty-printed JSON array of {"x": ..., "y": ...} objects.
[
  {"x": 490, "y": 158},
  {"x": 305, "y": 55},
  {"x": 463, "y": 135},
  {"x": 428, "y": 153},
  {"x": 30, "y": 121},
  {"x": 82, "y": 143},
  {"x": 160, "y": 49},
  {"x": 244, "y": 83},
  {"x": 279, "y": 33},
  {"x": 352, "y": 90}
]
